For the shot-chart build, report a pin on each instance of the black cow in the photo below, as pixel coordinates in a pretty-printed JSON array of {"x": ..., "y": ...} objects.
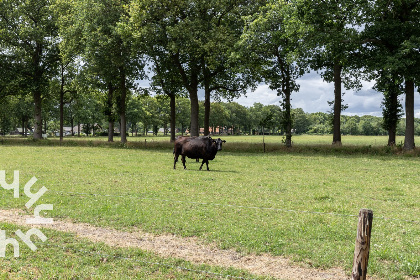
[{"x": 205, "y": 148}]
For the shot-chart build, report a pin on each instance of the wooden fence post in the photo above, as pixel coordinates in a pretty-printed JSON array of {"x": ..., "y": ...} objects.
[{"x": 361, "y": 250}]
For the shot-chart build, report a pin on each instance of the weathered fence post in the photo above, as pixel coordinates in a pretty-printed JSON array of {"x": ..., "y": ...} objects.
[{"x": 361, "y": 250}]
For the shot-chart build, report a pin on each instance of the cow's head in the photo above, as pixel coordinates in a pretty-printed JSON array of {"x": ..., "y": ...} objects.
[{"x": 219, "y": 143}]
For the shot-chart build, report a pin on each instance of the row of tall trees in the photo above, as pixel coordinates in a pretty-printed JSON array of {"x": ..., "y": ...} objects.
[{"x": 83, "y": 49}]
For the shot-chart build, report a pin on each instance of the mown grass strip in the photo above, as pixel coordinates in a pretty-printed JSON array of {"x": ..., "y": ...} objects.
[{"x": 64, "y": 256}]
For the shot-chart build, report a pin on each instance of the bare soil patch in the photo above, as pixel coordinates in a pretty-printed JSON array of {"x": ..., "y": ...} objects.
[{"x": 190, "y": 249}]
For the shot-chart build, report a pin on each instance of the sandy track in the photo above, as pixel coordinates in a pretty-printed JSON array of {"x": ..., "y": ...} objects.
[{"x": 190, "y": 249}]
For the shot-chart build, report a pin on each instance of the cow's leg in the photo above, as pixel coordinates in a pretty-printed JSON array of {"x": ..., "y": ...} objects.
[
  {"x": 183, "y": 161},
  {"x": 175, "y": 159},
  {"x": 202, "y": 163},
  {"x": 206, "y": 161}
]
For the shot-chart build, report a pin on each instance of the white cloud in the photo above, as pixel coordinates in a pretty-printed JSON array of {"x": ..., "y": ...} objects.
[{"x": 263, "y": 94}]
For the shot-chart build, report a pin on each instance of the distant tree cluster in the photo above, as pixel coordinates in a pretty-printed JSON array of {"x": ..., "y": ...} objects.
[{"x": 77, "y": 61}]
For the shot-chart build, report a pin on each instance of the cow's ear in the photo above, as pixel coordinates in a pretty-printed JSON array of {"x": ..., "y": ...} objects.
[{"x": 224, "y": 141}]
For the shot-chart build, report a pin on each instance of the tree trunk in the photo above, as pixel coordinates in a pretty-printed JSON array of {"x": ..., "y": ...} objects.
[
  {"x": 207, "y": 92},
  {"x": 337, "y": 105},
  {"x": 61, "y": 116},
  {"x": 287, "y": 107},
  {"x": 392, "y": 135},
  {"x": 392, "y": 126},
  {"x": 206, "y": 112},
  {"x": 194, "y": 129},
  {"x": 38, "y": 115},
  {"x": 23, "y": 127},
  {"x": 62, "y": 104},
  {"x": 194, "y": 125},
  {"x": 37, "y": 77},
  {"x": 123, "y": 97},
  {"x": 111, "y": 126},
  {"x": 123, "y": 128},
  {"x": 286, "y": 122},
  {"x": 391, "y": 107},
  {"x": 173, "y": 117},
  {"x": 109, "y": 113},
  {"x": 191, "y": 84},
  {"x": 193, "y": 91},
  {"x": 45, "y": 126},
  {"x": 409, "y": 113},
  {"x": 111, "y": 131}
]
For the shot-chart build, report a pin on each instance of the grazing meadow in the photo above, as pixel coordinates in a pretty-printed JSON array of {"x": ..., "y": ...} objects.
[{"x": 301, "y": 203}]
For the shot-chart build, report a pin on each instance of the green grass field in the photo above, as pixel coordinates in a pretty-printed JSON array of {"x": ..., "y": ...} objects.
[{"x": 300, "y": 205}]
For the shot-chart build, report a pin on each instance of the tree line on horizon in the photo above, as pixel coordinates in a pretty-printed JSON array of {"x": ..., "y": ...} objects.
[
  {"x": 147, "y": 114},
  {"x": 91, "y": 52}
]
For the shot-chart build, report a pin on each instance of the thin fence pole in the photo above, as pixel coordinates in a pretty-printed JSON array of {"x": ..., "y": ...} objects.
[{"x": 361, "y": 250}]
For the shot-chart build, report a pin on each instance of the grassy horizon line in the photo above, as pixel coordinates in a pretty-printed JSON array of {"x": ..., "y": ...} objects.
[{"x": 305, "y": 144}]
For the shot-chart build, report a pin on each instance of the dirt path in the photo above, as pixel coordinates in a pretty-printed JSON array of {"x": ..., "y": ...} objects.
[{"x": 190, "y": 249}]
